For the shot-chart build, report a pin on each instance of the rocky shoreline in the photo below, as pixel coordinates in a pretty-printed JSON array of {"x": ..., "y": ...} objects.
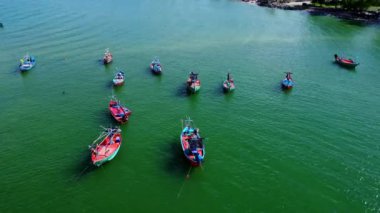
[{"x": 370, "y": 17}]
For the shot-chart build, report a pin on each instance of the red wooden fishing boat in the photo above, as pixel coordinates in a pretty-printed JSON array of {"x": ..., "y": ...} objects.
[
  {"x": 108, "y": 148},
  {"x": 193, "y": 83},
  {"x": 348, "y": 63},
  {"x": 228, "y": 84},
  {"x": 119, "y": 112}
]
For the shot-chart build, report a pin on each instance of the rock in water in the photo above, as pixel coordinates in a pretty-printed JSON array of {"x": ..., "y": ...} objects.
[{"x": 1, "y": 25}]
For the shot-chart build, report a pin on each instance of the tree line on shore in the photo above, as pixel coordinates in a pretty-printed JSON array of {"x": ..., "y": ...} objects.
[
  {"x": 355, "y": 5},
  {"x": 351, "y": 5}
]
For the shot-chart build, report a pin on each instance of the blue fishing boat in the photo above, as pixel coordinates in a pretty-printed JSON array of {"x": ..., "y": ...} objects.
[
  {"x": 192, "y": 143},
  {"x": 119, "y": 78},
  {"x": 27, "y": 63},
  {"x": 288, "y": 82},
  {"x": 155, "y": 66}
]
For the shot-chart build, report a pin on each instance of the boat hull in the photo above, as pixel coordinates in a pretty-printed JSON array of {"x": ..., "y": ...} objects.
[
  {"x": 347, "y": 64},
  {"x": 107, "y": 58},
  {"x": 119, "y": 113},
  {"x": 107, "y": 149},
  {"x": 27, "y": 66},
  {"x": 228, "y": 88},
  {"x": 118, "y": 82},
  {"x": 105, "y": 160},
  {"x": 107, "y": 61},
  {"x": 194, "y": 89},
  {"x": 119, "y": 78},
  {"x": 188, "y": 154},
  {"x": 156, "y": 69},
  {"x": 287, "y": 84},
  {"x": 193, "y": 83}
]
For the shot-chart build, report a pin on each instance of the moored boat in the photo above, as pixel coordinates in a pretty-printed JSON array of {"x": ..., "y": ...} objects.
[
  {"x": 119, "y": 112},
  {"x": 119, "y": 78},
  {"x": 108, "y": 148},
  {"x": 228, "y": 84},
  {"x": 193, "y": 83},
  {"x": 288, "y": 82},
  {"x": 348, "y": 63},
  {"x": 107, "y": 58},
  {"x": 155, "y": 66},
  {"x": 27, "y": 62},
  {"x": 192, "y": 143}
]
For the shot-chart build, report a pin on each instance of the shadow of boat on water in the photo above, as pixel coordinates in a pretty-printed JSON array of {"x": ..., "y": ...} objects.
[
  {"x": 228, "y": 96},
  {"x": 182, "y": 91},
  {"x": 109, "y": 85},
  {"x": 84, "y": 166},
  {"x": 106, "y": 119},
  {"x": 115, "y": 88},
  {"x": 286, "y": 91},
  {"x": 24, "y": 73},
  {"x": 100, "y": 62},
  {"x": 148, "y": 72},
  {"x": 278, "y": 88},
  {"x": 107, "y": 67},
  {"x": 174, "y": 160},
  {"x": 219, "y": 91},
  {"x": 156, "y": 76}
]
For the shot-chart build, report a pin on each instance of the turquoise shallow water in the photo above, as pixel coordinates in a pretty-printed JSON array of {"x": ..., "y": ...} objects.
[{"x": 314, "y": 149}]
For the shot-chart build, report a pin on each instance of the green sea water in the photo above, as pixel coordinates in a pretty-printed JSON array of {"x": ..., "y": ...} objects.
[{"x": 313, "y": 149}]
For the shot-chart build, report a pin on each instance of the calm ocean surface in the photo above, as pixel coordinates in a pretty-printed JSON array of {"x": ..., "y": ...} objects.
[{"x": 313, "y": 149}]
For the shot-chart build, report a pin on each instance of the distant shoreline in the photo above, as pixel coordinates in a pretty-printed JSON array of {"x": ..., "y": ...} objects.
[{"x": 358, "y": 16}]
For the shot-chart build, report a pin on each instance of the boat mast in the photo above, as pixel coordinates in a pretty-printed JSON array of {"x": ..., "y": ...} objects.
[
  {"x": 122, "y": 108},
  {"x": 288, "y": 75},
  {"x": 102, "y": 135}
]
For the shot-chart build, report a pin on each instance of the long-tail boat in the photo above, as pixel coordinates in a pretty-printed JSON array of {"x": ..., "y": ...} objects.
[
  {"x": 119, "y": 78},
  {"x": 119, "y": 112},
  {"x": 155, "y": 66},
  {"x": 348, "y": 63},
  {"x": 288, "y": 82},
  {"x": 192, "y": 143},
  {"x": 107, "y": 58},
  {"x": 228, "y": 84},
  {"x": 193, "y": 83},
  {"x": 107, "y": 149},
  {"x": 27, "y": 62}
]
